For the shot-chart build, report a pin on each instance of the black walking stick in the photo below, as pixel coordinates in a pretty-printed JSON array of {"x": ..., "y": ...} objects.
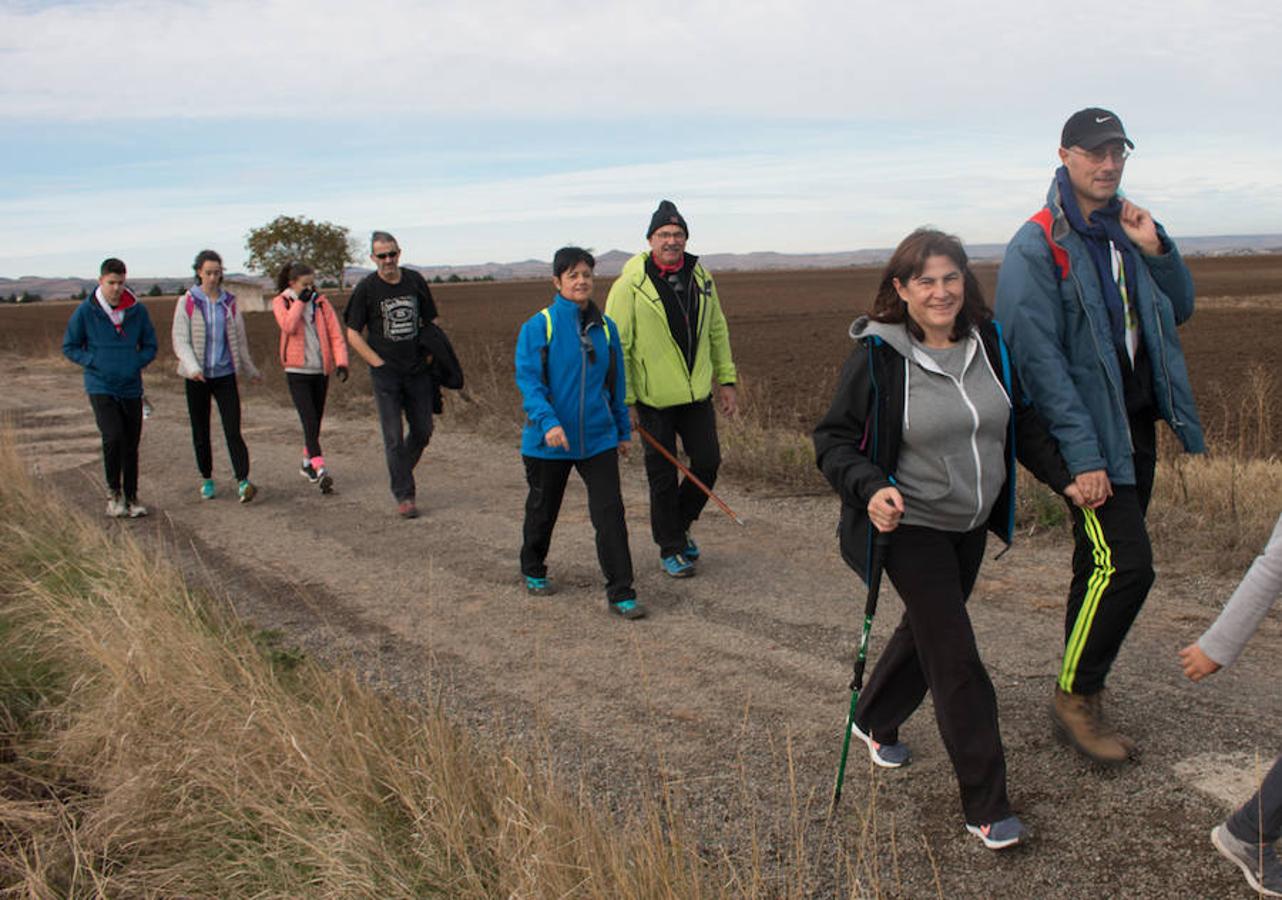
[{"x": 880, "y": 543}]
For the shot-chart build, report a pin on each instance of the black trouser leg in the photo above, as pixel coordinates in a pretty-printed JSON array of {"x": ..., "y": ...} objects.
[
  {"x": 399, "y": 397},
  {"x": 1259, "y": 820},
  {"x": 1112, "y": 574},
  {"x": 199, "y": 395},
  {"x": 227, "y": 396},
  {"x": 547, "y": 479},
  {"x": 934, "y": 649},
  {"x": 308, "y": 393},
  {"x": 111, "y": 425},
  {"x": 605, "y": 506},
  {"x": 131, "y": 409},
  {"x": 674, "y": 506}
]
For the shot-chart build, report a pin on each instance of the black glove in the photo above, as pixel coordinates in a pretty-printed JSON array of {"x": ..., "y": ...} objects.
[
  {"x": 308, "y": 295},
  {"x": 342, "y": 373}
]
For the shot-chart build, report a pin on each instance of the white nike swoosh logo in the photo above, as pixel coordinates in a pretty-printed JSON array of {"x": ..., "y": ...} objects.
[{"x": 1103, "y": 120}]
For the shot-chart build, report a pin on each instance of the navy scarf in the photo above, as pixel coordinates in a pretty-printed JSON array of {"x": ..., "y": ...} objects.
[{"x": 1104, "y": 226}]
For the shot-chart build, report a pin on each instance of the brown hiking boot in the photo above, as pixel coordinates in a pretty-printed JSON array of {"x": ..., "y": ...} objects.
[
  {"x": 1106, "y": 727},
  {"x": 1076, "y": 722}
]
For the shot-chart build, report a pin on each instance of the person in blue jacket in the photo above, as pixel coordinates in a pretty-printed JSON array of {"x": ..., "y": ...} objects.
[
  {"x": 569, "y": 368},
  {"x": 1091, "y": 291},
  {"x": 110, "y": 335}
]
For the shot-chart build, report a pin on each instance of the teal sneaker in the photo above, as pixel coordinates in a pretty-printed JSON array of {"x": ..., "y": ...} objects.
[
  {"x": 538, "y": 587},
  {"x": 691, "y": 552},
  {"x": 246, "y": 491},
  {"x": 677, "y": 565},
  {"x": 628, "y": 609},
  {"x": 207, "y": 489}
]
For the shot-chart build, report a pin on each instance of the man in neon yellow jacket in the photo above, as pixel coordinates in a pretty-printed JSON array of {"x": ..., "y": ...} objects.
[{"x": 675, "y": 347}]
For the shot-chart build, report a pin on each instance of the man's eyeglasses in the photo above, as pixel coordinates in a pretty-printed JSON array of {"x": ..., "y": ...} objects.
[
  {"x": 671, "y": 235},
  {"x": 1117, "y": 153},
  {"x": 390, "y": 254}
]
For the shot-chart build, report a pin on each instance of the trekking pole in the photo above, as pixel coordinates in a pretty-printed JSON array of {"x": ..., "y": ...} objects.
[
  {"x": 880, "y": 543},
  {"x": 663, "y": 451}
]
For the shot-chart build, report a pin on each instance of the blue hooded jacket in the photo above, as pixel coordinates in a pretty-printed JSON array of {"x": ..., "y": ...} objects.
[
  {"x": 1051, "y": 303},
  {"x": 113, "y": 360},
  {"x": 571, "y": 391}
]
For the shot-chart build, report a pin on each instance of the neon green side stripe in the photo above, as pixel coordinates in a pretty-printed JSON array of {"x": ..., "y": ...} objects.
[{"x": 1098, "y": 583}]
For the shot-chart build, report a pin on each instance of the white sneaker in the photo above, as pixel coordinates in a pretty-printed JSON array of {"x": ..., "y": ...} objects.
[
  {"x": 136, "y": 510},
  {"x": 116, "y": 507}
]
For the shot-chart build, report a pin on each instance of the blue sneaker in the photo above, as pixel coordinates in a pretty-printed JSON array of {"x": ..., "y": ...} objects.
[
  {"x": 538, "y": 587},
  {"x": 888, "y": 756},
  {"x": 628, "y": 609},
  {"x": 1000, "y": 835},
  {"x": 691, "y": 552},
  {"x": 207, "y": 489},
  {"x": 677, "y": 566}
]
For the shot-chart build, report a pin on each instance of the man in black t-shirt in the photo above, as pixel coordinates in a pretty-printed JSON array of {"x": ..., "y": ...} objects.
[{"x": 391, "y": 306}]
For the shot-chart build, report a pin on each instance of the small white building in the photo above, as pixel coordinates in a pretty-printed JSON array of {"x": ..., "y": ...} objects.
[{"x": 251, "y": 296}]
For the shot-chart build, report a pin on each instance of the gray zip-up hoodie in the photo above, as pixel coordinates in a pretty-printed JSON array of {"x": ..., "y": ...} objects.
[{"x": 951, "y": 464}]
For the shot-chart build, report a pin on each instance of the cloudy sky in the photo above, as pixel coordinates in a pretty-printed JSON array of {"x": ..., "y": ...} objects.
[{"x": 500, "y": 129}]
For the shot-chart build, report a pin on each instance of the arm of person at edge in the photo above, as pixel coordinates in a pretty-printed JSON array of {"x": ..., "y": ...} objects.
[
  {"x": 1258, "y": 591},
  {"x": 536, "y": 398},
  {"x": 148, "y": 343},
  {"x": 857, "y": 479},
  {"x": 1028, "y": 306},
  {"x": 363, "y": 350},
  {"x": 180, "y": 337}
]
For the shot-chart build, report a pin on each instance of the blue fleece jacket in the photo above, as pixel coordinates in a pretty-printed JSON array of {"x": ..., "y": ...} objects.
[
  {"x": 113, "y": 360},
  {"x": 572, "y": 391},
  {"x": 1061, "y": 340}
]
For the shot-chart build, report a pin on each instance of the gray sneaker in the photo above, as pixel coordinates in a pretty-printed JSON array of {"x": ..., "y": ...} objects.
[
  {"x": 1258, "y": 862},
  {"x": 888, "y": 756}
]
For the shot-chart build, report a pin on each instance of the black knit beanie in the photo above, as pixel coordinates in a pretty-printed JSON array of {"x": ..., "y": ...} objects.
[{"x": 666, "y": 214}]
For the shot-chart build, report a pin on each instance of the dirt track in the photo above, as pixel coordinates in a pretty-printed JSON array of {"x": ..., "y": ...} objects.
[{"x": 730, "y": 669}]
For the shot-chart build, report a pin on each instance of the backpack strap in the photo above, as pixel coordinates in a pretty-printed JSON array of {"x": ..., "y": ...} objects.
[{"x": 1044, "y": 220}]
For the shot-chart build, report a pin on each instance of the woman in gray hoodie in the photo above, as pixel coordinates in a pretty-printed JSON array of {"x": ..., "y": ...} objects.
[
  {"x": 1248, "y": 836},
  {"x": 920, "y": 442}
]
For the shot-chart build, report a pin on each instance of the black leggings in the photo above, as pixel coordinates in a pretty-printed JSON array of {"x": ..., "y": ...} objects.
[
  {"x": 224, "y": 392},
  {"x": 309, "y": 393}
]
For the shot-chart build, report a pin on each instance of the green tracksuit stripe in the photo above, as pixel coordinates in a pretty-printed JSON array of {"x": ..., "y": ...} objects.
[{"x": 1101, "y": 577}]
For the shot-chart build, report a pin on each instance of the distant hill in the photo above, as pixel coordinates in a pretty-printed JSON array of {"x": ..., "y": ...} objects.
[{"x": 611, "y": 263}]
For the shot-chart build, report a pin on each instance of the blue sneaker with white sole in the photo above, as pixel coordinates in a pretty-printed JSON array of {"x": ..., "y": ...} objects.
[
  {"x": 677, "y": 565},
  {"x": 888, "y": 756},
  {"x": 1002, "y": 834},
  {"x": 538, "y": 587}
]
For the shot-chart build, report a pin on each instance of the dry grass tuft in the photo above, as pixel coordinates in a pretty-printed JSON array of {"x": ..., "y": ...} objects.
[{"x": 149, "y": 746}]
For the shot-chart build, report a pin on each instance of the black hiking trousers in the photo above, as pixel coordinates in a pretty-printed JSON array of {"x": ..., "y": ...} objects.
[
  {"x": 675, "y": 506},
  {"x": 547, "y": 479},
  {"x": 120, "y": 422},
  {"x": 933, "y": 649}
]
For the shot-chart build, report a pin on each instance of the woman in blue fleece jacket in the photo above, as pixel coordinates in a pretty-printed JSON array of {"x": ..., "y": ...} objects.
[
  {"x": 569, "y": 368},
  {"x": 110, "y": 334}
]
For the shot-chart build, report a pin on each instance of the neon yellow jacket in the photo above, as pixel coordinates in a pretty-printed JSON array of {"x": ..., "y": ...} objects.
[{"x": 656, "y": 370}]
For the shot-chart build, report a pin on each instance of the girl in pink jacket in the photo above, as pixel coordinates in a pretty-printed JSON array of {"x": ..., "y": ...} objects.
[{"x": 311, "y": 348}]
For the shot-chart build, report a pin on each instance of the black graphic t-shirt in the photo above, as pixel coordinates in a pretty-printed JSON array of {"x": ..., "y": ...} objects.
[{"x": 393, "y": 315}]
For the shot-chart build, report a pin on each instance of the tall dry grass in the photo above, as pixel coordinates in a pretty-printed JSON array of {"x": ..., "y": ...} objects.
[{"x": 150, "y": 748}]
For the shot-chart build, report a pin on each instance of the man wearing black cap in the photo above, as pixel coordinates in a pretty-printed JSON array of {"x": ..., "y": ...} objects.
[
  {"x": 1090, "y": 293},
  {"x": 675, "y": 344}
]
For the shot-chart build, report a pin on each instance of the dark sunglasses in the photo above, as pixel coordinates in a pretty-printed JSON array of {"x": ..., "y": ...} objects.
[{"x": 390, "y": 254}]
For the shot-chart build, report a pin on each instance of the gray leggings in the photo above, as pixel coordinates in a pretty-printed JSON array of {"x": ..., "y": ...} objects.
[{"x": 1259, "y": 821}]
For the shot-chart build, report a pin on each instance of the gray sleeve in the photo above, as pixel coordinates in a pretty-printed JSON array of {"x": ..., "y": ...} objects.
[{"x": 1224, "y": 640}]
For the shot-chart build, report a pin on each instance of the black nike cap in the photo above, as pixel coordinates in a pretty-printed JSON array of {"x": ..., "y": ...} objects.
[{"x": 1089, "y": 128}]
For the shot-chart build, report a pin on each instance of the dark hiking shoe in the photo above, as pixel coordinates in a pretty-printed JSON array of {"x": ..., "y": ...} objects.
[
  {"x": 628, "y": 609},
  {"x": 677, "y": 566},
  {"x": 888, "y": 756},
  {"x": 325, "y": 480},
  {"x": 691, "y": 552},
  {"x": 407, "y": 509},
  {"x": 999, "y": 835},
  {"x": 308, "y": 472},
  {"x": 1258, "y": 862},
  {"x": 538, "y": 587},
  {"x": 1075, "y": 718}
]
